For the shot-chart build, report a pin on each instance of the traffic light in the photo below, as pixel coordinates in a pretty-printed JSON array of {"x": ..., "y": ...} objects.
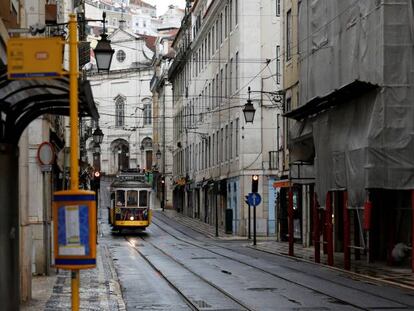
[
  {"x": 255, "y": 183},
  {"x": 97, "y": 179},
  {"x": 163, "y": 179}
]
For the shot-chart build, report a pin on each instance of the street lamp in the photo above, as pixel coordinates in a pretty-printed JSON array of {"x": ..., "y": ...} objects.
[
  {"x": 98, "y": 136},
  {"x": 96, "y": 148},
  {"x": 249, "y": 110},
  {"x": 277, "y": 99},
  {"x": 103, "y": 51}
]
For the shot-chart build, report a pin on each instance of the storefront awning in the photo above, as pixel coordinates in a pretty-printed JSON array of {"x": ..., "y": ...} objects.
[{"x": 22, "y": 101}]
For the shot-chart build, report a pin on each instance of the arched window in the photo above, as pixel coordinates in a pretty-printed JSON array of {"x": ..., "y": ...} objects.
[
  {"x": 119, "y": 111},
  {"x": 147, "y": 111}
]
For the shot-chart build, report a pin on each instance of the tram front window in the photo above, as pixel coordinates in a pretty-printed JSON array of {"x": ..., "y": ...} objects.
[
  {"x": 120, "y": 198},
  {"x": 143, "y": 194},
  {"x": 132, "y": 196}
]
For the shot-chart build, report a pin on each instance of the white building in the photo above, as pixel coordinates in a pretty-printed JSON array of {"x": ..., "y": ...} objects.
[
  {"x": 163, "y": 116},
  {"x": 124, "y": 103},
  {"x": 223, "y": 48}
]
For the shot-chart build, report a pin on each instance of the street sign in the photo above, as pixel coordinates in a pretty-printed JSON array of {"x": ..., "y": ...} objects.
[
  {"x": 31, "y": 58},
  {"x": 46, "y": 153},
  {"x": 254, "y": 199}
]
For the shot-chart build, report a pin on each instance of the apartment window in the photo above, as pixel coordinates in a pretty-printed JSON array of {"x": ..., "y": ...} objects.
[
  {"x": 225, "y": 81},
  {"x": 209, "y": 97},
  {"x": 213, "y": 48},
  {"x": 221, "y": 85},
  {"x": 217, "y": 90},
  {"x": 199, "y": 156},
  {"x": 217, "y": 34},
  {"x": 231, "y": 141},
  {"x": 209, "y": 151},
  {"x": 231, "y": 15},
  {"x": 237, "y": 137},
  {"x": 217, "y": 146},
  {"x": 278, "y": 64},
  {"x": 213, "y": 90},
  {"x": 236, "y": 11},
  {"x": 277, "y": 7},
  {"x": 226, "y": 146},
  {"x": 147, "y": 114},
  {"x": 213, "y": 150},
  {"x": 226, "y": 18},
  {"x": 202, "y": 56},
  {"x": 288, "y": 34},
  {"x": 119, "y": 111},
  {"x": 231, "y": 77},
  {"x": 222, "y": 145},
  {"x": 237, "y": 71},
  {"x": 209, "y": 47},
  {"x": 221, "y": 28}
]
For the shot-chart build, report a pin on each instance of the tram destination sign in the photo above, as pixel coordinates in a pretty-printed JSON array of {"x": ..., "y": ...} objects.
[{"x": 34, "y": 58}]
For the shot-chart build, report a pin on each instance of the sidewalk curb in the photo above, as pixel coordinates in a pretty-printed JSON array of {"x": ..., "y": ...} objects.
[{"x": 114, "y": 286}]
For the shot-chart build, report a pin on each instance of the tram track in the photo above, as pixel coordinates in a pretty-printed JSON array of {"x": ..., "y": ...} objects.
[
  {"x": 192, "y": 304},
  {"x": 339, "y": 301}
]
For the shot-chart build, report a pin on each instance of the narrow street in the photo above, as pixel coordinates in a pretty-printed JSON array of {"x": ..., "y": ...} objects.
[{"x": 172, "y": 267}]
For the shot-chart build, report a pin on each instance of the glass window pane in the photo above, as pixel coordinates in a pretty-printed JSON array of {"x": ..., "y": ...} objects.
[
  {"x": 132, "y": 196},
  {"x": 120, "y": 198},
  {"x": 143, "y": 194}
]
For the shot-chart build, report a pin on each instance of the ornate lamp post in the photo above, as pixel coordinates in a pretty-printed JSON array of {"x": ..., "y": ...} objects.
[
  {"x": 249, "y": 110},
  {"x": 103, "y": 51}
]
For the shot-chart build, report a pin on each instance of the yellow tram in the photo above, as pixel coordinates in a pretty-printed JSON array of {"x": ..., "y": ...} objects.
[{"x": 130, "y": 206}]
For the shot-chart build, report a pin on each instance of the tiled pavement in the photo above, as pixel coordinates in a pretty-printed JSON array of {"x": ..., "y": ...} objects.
[
  {"x": 375, "y": 271},
  {"x": 99, "y": 288}
]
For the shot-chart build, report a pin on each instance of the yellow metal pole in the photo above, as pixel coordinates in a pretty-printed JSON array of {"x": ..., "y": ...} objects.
[
  {"x": 73, "y": 100},
  {"x": 75, "y": 290},
  {"x": 73, "y": 81}
]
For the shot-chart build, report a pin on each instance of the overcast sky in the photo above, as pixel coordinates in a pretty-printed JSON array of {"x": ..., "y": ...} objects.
[{"x": 162, "y": 5}]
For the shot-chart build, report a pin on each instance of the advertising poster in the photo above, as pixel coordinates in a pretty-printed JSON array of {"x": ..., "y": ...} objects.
[{"x": 73, "y": 230}]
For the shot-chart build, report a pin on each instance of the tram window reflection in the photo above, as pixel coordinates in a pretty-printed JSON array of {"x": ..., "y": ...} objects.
[
  {"x": 143, "y": 198},
  {"x": 132, "y": 196},
  {"x": 120, "y": 198}
]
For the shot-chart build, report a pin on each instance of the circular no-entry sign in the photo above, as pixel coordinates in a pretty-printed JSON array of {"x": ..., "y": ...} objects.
[{"x": 45, "y": 153}]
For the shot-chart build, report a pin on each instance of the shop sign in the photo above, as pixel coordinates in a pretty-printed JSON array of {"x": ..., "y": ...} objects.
[{"x": 282, "y": 184}]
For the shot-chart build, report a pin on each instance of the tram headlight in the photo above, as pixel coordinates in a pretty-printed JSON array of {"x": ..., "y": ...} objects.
[{"x": 131, "y": 218}]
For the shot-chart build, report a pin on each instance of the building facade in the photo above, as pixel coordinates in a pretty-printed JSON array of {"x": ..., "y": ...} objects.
[
  {"x": 356, "y": 125},
  {"x": 124, "y": 102},
  {"x": 161, "y": 89},
  {"x": 216, "y": 151}
]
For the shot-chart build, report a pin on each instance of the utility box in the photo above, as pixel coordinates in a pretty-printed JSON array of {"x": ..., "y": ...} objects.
[
  {"x": 74, "y": 222},
  {"x": 229, "y": 221}
]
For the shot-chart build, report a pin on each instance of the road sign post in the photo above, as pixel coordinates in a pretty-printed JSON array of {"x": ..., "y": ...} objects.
[
  {"x": 254, "y": 218},
  {"x": 248, "y": 219},
  {"x": 253, "y": 199}
]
